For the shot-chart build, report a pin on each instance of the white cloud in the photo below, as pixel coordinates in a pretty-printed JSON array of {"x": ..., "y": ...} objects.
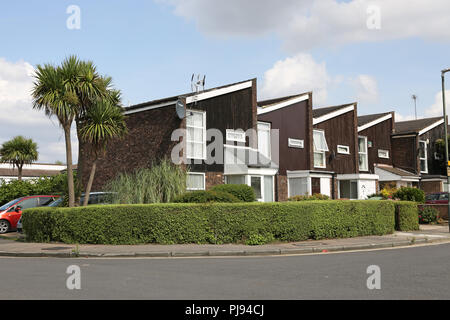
[
  {"x": 366, "y": 88},
  {"x": 17, "y": 116},
  {"x": 294, "y": 75},
  {"x": 399, "y": 117},
  {"x": 310, "y": 23},
  {"x": 435, "y": 110}
]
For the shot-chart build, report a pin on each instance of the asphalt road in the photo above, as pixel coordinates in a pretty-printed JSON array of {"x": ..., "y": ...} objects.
[{"x": 420, "y": 272}]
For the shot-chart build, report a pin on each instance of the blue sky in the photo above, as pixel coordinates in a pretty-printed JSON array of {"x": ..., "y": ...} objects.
[{"x": 151, "y": 48}]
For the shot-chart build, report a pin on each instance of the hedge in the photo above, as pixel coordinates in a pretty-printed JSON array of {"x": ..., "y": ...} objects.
[
  {"x": 218, "y": 223},
  {"x": 406, "y": 216},
  {"x": 241, "y": 191},
  {"x": 202, "y": 196}
]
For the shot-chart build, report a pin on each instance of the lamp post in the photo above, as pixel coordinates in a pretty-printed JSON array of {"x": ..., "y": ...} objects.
[{"x": 446, "y": 141}]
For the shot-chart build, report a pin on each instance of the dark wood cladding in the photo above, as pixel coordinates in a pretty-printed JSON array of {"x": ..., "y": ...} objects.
[
  {"x": 380, "y": 136},
  {"x": 148, "y": 139},
  {"x": 434, "y": 167},
  {"x": 404, "y": 153},
  {"x": 340, "y": 130},
  {"x": 235, "y": 110},
  {"x": 292, "y": 122}
]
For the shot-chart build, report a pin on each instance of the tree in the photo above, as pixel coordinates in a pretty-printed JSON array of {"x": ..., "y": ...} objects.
[
  {"x": 102, "y": 122},
  {"x": 18, "y": 152},
  {"x": 67, "y": 92}
]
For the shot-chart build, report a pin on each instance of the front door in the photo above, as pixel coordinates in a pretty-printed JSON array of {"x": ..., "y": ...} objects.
[{"x": 315, "y": 185}]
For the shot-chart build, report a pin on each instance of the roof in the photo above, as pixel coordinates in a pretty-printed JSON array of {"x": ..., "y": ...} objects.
[
  {"x": 397, "y": 171},
  {"x": 269, "y": 102},
  {"x": 174, "y": 98},
  {"x": 362, "y": 120},
  {"x": 319, "y": 112},
  {"x": 415, "y": 126},
  {"x": 28, "y": 173}
]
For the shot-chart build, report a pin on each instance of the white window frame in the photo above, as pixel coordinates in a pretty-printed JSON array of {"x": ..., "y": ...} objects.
[
  {"x": 269, "y": 156},
  {"x": 235, "y": 135},
  {"x": 426, "y": 156},
  {"x": 321, "y": 152},
  {"x": 380, "y": 154},
  {"x": 203, "y": 157},
  {"x": 347, "y": 149},
  {"x": 248, "y": 181},
  {"x": 296, "y": 143},
  {"x": 204, "y": 181},
  {"x": 364, "y": 153}
]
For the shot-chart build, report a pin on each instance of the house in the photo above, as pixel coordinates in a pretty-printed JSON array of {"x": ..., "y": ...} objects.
[
  {"x": 30, "y": 171},
  {"x": 414, "y": 150},
  {"x": 179, "y": 128},
  {"x": 377, "y": 129}
]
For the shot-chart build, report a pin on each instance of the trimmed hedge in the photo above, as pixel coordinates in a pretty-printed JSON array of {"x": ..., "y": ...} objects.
[
  {"x": 201, "y": 196},
  {"x": 240, "y": 191},
  {"x": 406, "y": 216},
  {"x": 249, "y": 223}
]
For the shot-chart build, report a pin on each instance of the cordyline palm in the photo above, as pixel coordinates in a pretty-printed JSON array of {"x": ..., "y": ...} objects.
[
  {"x": 101, "y": 123},
  {"x": 18, "y": 152},
  {"x": 66, "y": 92}
]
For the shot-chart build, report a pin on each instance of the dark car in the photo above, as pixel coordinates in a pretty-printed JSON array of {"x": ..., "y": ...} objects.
[
  {"x": 94, "y": 198},
  {"x": 9, "y": 216},
  {"x": 437, "y": 198}
]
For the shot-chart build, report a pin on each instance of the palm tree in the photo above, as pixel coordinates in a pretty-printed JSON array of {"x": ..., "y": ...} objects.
[
  {"x": 66, "y": 92},
  {"x": 102, "y": 122},
  {"x": 18, "y": 152}
]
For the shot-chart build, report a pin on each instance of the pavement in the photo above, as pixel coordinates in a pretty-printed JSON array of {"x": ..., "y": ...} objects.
[{"x": 13, "y": 245}]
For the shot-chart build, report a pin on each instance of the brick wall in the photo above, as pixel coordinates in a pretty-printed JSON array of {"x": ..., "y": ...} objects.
[
  {"x": 213, "y": 178},
  {"x": 281, "y": 188}
]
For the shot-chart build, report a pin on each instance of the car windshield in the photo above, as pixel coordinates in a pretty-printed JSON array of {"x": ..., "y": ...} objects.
[
  {"x": 432, "y": 196},
  {"x": 9, "y": 204},
  {"x": 56, "y": 203}
]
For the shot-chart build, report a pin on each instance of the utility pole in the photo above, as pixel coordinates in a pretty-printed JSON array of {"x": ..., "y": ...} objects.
[
  {"x": 446, "y": 142},
  {"x": 414, "y": 97}
]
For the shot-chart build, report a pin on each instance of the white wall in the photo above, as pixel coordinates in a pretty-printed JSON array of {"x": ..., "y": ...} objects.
[{"x": 366, "y": 188}]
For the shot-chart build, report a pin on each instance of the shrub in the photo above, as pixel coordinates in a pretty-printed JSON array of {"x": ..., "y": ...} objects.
[
  {"x": 428, "y": 215},
  {"x": 249, "y": 223},
  {"x": 240, "y": 191},
  {"x": 160, "y": 183},
  {"x": 410, "y": 194},
  {"x": 317, "y": 196},
  {"x": 201, "y": 196},
  {"x": 406, "y": 216}
]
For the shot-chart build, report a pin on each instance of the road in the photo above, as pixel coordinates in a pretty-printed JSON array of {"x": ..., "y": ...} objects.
[{"x": 408, "y": 273}]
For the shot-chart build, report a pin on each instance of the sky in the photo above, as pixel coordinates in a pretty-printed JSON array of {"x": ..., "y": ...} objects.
[{"x": 376, "y": 53}]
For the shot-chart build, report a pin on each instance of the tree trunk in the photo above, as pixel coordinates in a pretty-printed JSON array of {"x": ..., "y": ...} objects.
[
  {"x": 89, "y": 184},
  {"x": 79, "y": 182},
  {"x": 70, "y": 183},
  {"x": 19, "y": 172}
]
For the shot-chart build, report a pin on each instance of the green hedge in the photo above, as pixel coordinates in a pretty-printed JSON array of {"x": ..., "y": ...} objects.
[
  {"x": 249, "y": 223},
  {"x": 240, "y": 191},
  {"x": 406, "y": 216},
  {"x": 202, "y": 196}
]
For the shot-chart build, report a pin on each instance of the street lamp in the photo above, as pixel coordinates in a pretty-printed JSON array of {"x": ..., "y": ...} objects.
[{"x": 443, "y": 72}]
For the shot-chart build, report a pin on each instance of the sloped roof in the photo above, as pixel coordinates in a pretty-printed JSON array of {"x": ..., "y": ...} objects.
[
  {"x": 319, "y": 112},
  {"x": 414, "y": 126},
  {"x": 362, "y": 120},
  {"x": 28, "y": 173},
  {"x": 269, "y": 102},
  {"x": 397, "y": 171}
]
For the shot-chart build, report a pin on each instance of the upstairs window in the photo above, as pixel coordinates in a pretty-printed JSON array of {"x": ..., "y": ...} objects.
[
  {"x": 362, "y": 150},
  {"x": 196, "y": 135},
  {"x": 320, "y": 147},
  {"x": 383, "y": 154},
  {"x": 423, "y": 156},
  {"x": 264, "y": 139}
]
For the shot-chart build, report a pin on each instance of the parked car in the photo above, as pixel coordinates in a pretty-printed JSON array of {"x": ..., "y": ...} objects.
[
  {"x": 437, "y": 198},
  {"x": 94, "y": 198},
  {"x": 9, "y": 217}
]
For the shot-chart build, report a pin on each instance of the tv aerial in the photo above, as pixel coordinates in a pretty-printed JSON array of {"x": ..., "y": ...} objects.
[{"x": 197, "y": 85}]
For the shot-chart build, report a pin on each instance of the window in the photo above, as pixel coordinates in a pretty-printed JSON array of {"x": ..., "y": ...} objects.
[
  {"x": 295, "y": 143},
  {"x": 348, "y": 189},
  {"x": 423, "y": 156},
  {"x": 343, "y": 149},
  {"x": 195, "y": 181},
  {"x": 235, "y": 179},
  {"x": 235, "y": 135},
  {"x": 320, "y": 147},
  {"x": 264, "y": 139},
  {"x": 298, "y": 187},
  {"x": 362, "y": 150},
  {"x": 196, "y": 135},
  {"x": 383, "y": 154},
  {"x": 256, "y": 184}
]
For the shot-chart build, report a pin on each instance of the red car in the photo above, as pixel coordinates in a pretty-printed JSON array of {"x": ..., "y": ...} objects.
[
  {"x": 9, "y": 215},
  {"x": 437, "y": 198}
]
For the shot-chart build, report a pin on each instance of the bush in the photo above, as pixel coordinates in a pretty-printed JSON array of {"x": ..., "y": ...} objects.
[
  {"x": 201, "y": 196},
  {"x": 317, "y": 196},
  {"x": 406, "y": 216},
  {"x": 240, "y": 191},
  {"x": 410, "y": 194},
  {"x": 428, "y": 215},
  {"x": 160, "y": 183},
  {"x": 248, "y": 223}
]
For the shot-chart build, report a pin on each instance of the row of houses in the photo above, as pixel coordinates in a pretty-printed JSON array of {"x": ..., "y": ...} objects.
[{"x": 281, "y": 147}]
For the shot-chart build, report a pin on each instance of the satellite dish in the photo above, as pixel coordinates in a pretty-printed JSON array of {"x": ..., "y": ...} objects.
[{"x": 180, "y": 109}]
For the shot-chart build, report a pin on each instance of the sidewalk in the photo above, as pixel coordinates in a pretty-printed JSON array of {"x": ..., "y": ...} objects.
[{"x": 427, "y": 234}]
